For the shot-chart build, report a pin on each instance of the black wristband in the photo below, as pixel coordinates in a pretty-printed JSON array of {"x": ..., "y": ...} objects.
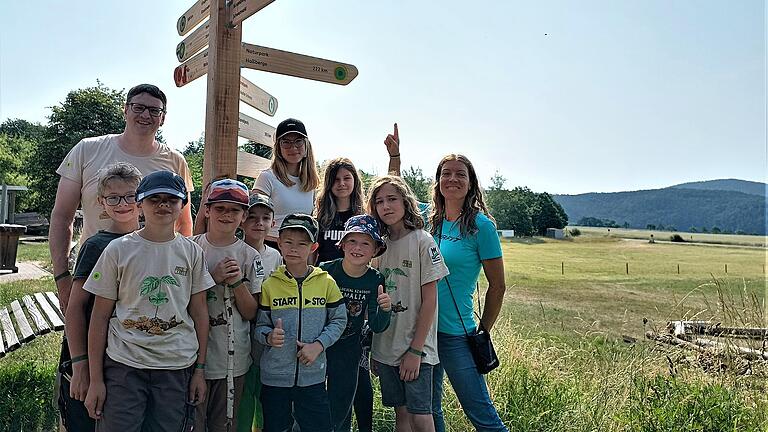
[
  {"x": 62, "y": 276},
  {"x": 394, "y": 156},
  {"x": 236, "y": 284}
]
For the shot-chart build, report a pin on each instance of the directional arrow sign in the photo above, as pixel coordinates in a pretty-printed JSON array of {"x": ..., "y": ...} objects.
[
  {"x": 298, "y": 65},
  {"x": 242, "y": 9},
  {"x": 192, "y": 69},
  {"x": 254, "y": 96},
  {"x": 193, "y": 43},
  {"x": 254, "y": 130},
  {"x": 250, "y": 165},
  {"x": 194, "y": 16}
]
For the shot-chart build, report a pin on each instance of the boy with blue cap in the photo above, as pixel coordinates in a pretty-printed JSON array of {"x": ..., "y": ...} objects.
[
  {"x": 154, "y": 280},
  {"x": 363, "y": 289}
]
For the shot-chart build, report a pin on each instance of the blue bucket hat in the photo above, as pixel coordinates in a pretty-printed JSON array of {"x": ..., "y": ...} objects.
[{"x": 364, "y": 224}]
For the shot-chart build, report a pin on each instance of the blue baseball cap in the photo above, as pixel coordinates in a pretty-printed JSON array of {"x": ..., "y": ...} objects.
[
  {"x": 162, "y": 182},
  {"x": 364, "y": 224}
]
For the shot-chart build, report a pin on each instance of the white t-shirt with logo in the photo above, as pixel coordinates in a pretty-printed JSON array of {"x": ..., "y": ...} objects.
[
  {"x": 408, "y": 263},
  {"x": 216, "y": 359},
  {"x": 152, "y": 283},
  {"x": 286, "y": 199},
  {"x": 270, "y": 261},
  {"x": 83, "y": 163}
]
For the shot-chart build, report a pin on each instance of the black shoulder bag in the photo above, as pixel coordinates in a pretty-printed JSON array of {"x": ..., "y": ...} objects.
[{"x": 480, "y": 343}]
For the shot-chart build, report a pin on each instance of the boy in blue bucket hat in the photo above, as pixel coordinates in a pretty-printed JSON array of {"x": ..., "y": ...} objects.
[{"x": 363, "y": 289}]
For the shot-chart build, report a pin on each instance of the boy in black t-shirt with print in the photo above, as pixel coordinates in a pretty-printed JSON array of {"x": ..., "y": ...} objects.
[{"x": 117, "y": 195}]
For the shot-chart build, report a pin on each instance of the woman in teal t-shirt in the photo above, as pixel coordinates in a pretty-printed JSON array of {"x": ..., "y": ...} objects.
[{"x": 466, "y": 234}]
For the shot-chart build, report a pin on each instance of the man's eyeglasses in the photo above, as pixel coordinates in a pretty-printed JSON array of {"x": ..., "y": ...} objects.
[
  {"x": 114, "y": 200},
  {"x": 299, "y": 143},
  {"x": 139, "y": 108}
]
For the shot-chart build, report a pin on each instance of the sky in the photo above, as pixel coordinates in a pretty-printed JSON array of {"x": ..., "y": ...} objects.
[{"x": 565, "y": 97}]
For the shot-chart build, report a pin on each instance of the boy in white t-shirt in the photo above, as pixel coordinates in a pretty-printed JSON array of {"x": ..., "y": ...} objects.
[
  {"x": 260, "y": 218},
  {"x": 155, "y": 281},
  {"x": 232, "y": 303}
]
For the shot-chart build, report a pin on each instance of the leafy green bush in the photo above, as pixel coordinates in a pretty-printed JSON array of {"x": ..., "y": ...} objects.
[
  {"x": 535, "y": 401},
  {"x": 575, "y": 232},
  {"x": 677, "y": 238},
  {"x": 26, "y": 398},
  {"x": 667, "y": 404}
]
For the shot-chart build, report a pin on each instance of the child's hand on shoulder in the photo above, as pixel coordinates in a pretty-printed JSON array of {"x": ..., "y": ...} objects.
[
  {"x": 308, "y": 352},
  {"x": 384, "y": 301},
  {"x": 227, "y": 270},
  {"x": 276, "y": 338}
]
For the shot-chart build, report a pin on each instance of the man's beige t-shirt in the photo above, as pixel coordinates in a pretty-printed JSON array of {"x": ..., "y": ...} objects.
[
  {"x": 152, "y": 284},
  {"x": 249, "y": 261},
  {"x": 83, "y": 162},
  {"x": 408, "y": 263}
]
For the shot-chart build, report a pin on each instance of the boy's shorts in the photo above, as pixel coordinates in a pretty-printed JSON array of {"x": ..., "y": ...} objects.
[
  {"x": 156, "y": 398},
  {"x": 415, "y": 395}
]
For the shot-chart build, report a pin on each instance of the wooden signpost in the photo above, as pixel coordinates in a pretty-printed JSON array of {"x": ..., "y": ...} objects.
[
  {"x": 221, "y": 61},
  {"x": 298, "y": 65},
  {"x": 254, "y": 96},
  {"x": 256, "y": 131},
  {"x": 242, "y": 9},
  {"x": 193, "y": 16},
  {"x": 193, "y": 43}
]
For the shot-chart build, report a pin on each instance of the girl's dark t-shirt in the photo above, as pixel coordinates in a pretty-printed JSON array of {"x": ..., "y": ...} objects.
[{"x": 327, "y": 239}]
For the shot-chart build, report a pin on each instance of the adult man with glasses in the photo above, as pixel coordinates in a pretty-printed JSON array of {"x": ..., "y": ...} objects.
[{"x": 144, "y": 111}]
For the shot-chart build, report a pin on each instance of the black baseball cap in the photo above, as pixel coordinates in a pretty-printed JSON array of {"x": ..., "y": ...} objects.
[
  {"x": 162, "y": 182},
  {"x": 301, "y": 221},
  {"x": 290, "y": 125}
]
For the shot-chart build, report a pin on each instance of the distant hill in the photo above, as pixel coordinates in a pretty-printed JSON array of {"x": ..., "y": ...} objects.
[
  {"x": 734, "y": 185},
  {"x": 676, "y": 206}
]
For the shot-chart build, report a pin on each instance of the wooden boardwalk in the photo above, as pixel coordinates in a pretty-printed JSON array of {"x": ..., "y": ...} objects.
[{"x": 22, "y": 321}]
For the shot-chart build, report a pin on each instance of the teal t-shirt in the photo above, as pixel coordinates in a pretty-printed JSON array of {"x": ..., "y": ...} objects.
[
  {"x": 360, "y": 296},
  {"x": 463, "y": 255}
]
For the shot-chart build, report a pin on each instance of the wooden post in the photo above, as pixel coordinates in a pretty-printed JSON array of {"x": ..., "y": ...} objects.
[
  {"x": 726, "y": 269},
  {"x": 678, "y": 269},
  {"x": 562, "y": 267},
  {"x": 222, "y": 104},
  {"x": 627, "y": 268}
]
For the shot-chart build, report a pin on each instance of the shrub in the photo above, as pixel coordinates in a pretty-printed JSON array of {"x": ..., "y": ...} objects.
[
  {"x": 677, "y": 238},
  {"x": 26, "y": 398},
  {"x": 575, "y": 232},
  {"x": 668, "y": 404}
]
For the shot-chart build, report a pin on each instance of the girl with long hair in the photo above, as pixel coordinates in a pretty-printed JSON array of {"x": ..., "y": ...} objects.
[{"x": 291, "y": 180}]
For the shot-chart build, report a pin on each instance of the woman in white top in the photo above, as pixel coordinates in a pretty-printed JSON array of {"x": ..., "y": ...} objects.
[{"x": 292, "y": 179}]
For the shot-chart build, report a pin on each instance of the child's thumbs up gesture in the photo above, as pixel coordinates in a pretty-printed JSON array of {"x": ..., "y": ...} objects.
[
  {"x": 383, "y": 299},
  {"x": 276, "y": 337}
]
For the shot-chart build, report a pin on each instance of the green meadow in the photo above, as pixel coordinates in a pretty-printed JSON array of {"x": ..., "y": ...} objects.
[{"x": 570, "y": 339}]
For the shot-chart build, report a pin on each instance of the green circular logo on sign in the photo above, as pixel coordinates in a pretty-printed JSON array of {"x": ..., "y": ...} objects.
[
  {"x": 96, "y": 276},
  {"x": 181, "y": 24},
  {"x": 340, "y": 73},
  {"x": 272, "y": 105},
  {"x": 181, "y": 49}
]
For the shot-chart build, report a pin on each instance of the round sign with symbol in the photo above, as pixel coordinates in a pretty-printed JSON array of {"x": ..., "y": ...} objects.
[
  {"x": 181, "y": 49},
  {"x": 272, "y": 105},
  {"x": 340, "y": 73},
  {"x": 181, "y": 24}
]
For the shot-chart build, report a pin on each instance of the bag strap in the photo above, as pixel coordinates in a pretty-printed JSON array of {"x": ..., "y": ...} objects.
[{"x": 450, "y": 290}]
